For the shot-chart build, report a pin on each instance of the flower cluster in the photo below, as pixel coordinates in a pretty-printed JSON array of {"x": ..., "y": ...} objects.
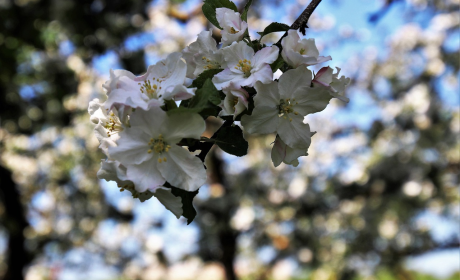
[{"x": 149, "y": 125}]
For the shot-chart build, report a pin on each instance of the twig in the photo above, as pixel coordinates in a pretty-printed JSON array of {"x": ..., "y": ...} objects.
[{"x": 302, "y": 20}]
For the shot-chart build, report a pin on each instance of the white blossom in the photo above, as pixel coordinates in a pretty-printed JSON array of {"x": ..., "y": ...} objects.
[
  {"x": 298, "y": 52},
  {"x": 281, "y": 106},
  {"x": 108, "y": 123},
  {"x": 244, "y": 68},
  {"x": 233, "y": 27},
  {"x": 162, "y": 81},
  {"x": 326, "y": 78},
  {"x": 149, "y": 152},
  {"x": 235, "y": 102}
]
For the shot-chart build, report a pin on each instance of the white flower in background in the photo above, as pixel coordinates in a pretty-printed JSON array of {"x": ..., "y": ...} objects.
[
  {"x": 202, "y": 55},
  {"x": 325, "y": 77},
  {"x": 115, "y": 171},
  {"x": 149, "y": 152},
  {"x": 108, "y": 123},
  {"x": 235, "y": 102},
  {"x": 298, "y": 52},
  {"x": 281, "y": 106},
  {"x": 162, "y": 81},
  {"x": 283, "y": 153},
  {"x": 233, "y": 27},
  {"x": 244, "y": 68}
]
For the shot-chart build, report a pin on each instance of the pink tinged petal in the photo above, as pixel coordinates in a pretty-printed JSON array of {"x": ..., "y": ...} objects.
[
  {"x": 178, "y": 92},
  {"x": 182, "y": 125},
  {"x": 145, "y": 176},
  {"x": 324, "y": 76},
  {"x": 149, "y": 121},
  {"x": 264, "y": 75},
  {"x": 182, "y": 169},
  {"x": 263, "y": 120},
  {"x": 171, "y": 202},
  {"x": 132, "y": 147},
  {"x": 294, "y": 133},
  {"x": 294, "y": 82},
  {"x": 266, "y": 55},
  {"x": 312, "y": 101},
  {"x": 220, "y": 15},
  {"x": 267, "y": 95},
  {"x": 322, "y": 59}
]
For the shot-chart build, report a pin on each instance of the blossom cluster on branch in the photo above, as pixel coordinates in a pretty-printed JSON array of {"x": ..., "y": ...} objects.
[{"x": 150, "y": 125}]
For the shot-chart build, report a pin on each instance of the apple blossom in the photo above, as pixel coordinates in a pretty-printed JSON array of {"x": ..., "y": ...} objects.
[
  {"x": 298, "y": 52},
  {"x": 233, "y": 27},
  {"x": 149, "y": 152},
  {"x": 162, "y": 81},
  {"x": 326, "y": 78},
  {"x": 281, "y": 106},
  {"x": 244, "y": 68},
  {"x": 235, "y": 102},
  {"x": 202, "y": 55}
]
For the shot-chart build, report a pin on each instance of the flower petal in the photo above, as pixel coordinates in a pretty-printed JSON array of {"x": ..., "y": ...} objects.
[
  {"x": 182, "y": 169},
  {"x": 263, "y": 120},
  {"x": 266, "y": 55},
  {"x": 145, "y": 176},
  {"x": 171, "y": 202},
  {"x": 312, "y": 101},
  {"x": 267, "y": 95},
  {"x": 132, "y": 147},
  {"x": 149, "y": 121},
  {"x": 295, "y": 133},
  {"x": 294, "y": 82}
]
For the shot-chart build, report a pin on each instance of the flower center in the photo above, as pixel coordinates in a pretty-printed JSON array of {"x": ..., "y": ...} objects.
[
  {"x": 150, "y": 89},
  {"x": 286, "y": 107},
  {"x": 302, "y": 51},
  {"x": 234, "y": 102},
  {"x": 233, "y": 31},
  {"x": 211, "y": 64},
  {"x": 158, "y": 145},
  {"x": 113, "y": 125},
  {"x": 245, "y": 67}
]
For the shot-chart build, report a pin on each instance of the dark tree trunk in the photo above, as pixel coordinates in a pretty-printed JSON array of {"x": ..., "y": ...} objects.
[{"x": 15, "y": 222}]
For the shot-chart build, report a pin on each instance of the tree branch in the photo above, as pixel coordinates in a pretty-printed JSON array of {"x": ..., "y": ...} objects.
[{"x": 302, "y": 20}]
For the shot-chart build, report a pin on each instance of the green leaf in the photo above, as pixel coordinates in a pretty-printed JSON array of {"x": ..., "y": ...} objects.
[
  {"x": 279, "y": 62},
  {"x": 230, "y": 139},
  {"x": 208, "y": 74},
  {"x": 274, "y": 27},
  {"x": 204, "y": 102},
  {"x": 209, "y": 9},
  {"x": 188, "y": 211},
  {"x": 244, "y": 15}
]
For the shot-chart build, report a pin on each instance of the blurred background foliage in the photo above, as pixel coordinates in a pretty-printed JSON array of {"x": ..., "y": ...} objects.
[{"x": 377, "y": 196}]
